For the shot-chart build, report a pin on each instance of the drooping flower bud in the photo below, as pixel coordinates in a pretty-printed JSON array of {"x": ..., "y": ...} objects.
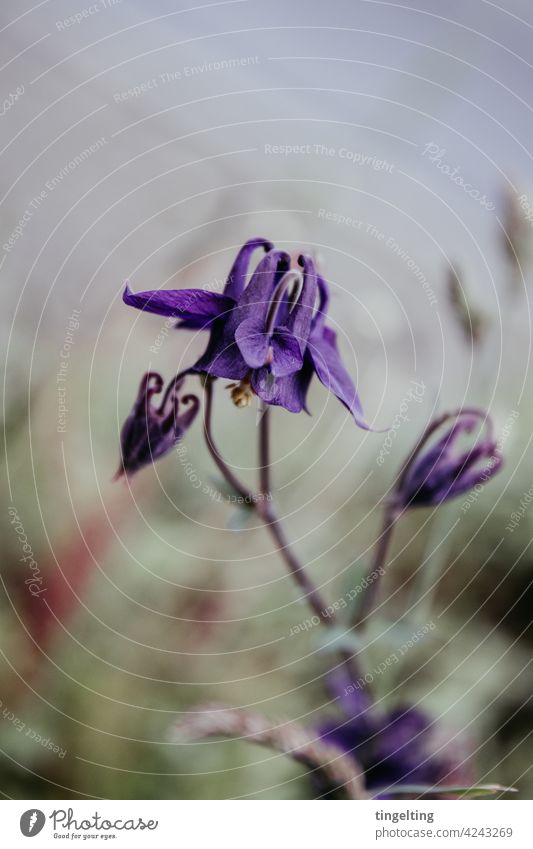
[
  {"x": 436, "y": 474},
  {"x": 149, "y": 432}
]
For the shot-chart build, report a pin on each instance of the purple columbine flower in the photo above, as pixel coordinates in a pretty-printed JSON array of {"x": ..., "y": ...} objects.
[
  {"x": 266, "y": 333},
  {"x": 151, "y": 431},
  {"x": 441, "y": 472},
  {"x": 321, "y": 359},
  {"x": 394, "y": 748}
]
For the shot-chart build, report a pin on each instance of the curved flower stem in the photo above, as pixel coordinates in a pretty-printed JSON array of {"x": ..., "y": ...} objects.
[
  {"x": 264, "y": 449},
  {"x": 266, "y": 511},
  {"x": 377, "y": 569},
  {"x": 393, "y": 511},
  {"x": 262, "y": 504},
  {"x": 268, "y": 514},
  {"x": 217, "y": 457}
]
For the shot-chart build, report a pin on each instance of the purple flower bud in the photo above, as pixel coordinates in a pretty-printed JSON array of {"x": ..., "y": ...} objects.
[
  {"x": 150, "y": 431},
  {"x": 436, "y": 474}
]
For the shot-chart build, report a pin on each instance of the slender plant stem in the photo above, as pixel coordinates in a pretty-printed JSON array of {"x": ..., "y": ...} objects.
[
  {"x": 224, "y": 469},
  {"x": 264, "y": 450},
  {"x": 268, "y": 514},
  {"x": 377, "y": 569},
  {"x": 263, "y": 506},
  {"x": 296, "y": 569},
  {"x": 392, "y": 514},
  {"x": 262, "y": 503}
]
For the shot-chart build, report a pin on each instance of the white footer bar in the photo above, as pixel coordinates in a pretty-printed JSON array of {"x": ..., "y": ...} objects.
[{"x": 268, "y": 824}]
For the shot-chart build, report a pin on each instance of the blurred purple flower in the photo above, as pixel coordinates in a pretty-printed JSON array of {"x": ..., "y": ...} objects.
[
  {"x": 393, "y": 748},
  {"x": 150, "y": 431},
  {"x": 264, "y": 334},
  {"x": 442, "y": 472}
]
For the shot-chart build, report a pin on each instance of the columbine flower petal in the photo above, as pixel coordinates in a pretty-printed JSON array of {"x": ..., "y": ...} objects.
[
  {"x": 286, "y": 353},
  {"x": 300, "y": 318},
  {"x": 187, "y": 304},
  {"x": 331, "y": 372},
  {"x": 223, "y": 357},
  {"x": 235, "y": 282},
  {"x": 237, "y": 276},
  {"x": 253, "y": 342},
  {"x": 288, "y": 392}
]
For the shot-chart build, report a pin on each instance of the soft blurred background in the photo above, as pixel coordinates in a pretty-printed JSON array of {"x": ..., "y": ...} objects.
[{"x": 145, "y": 140}]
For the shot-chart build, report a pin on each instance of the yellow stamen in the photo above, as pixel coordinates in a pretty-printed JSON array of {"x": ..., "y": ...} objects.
[{"x": 242, "y": 393}]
